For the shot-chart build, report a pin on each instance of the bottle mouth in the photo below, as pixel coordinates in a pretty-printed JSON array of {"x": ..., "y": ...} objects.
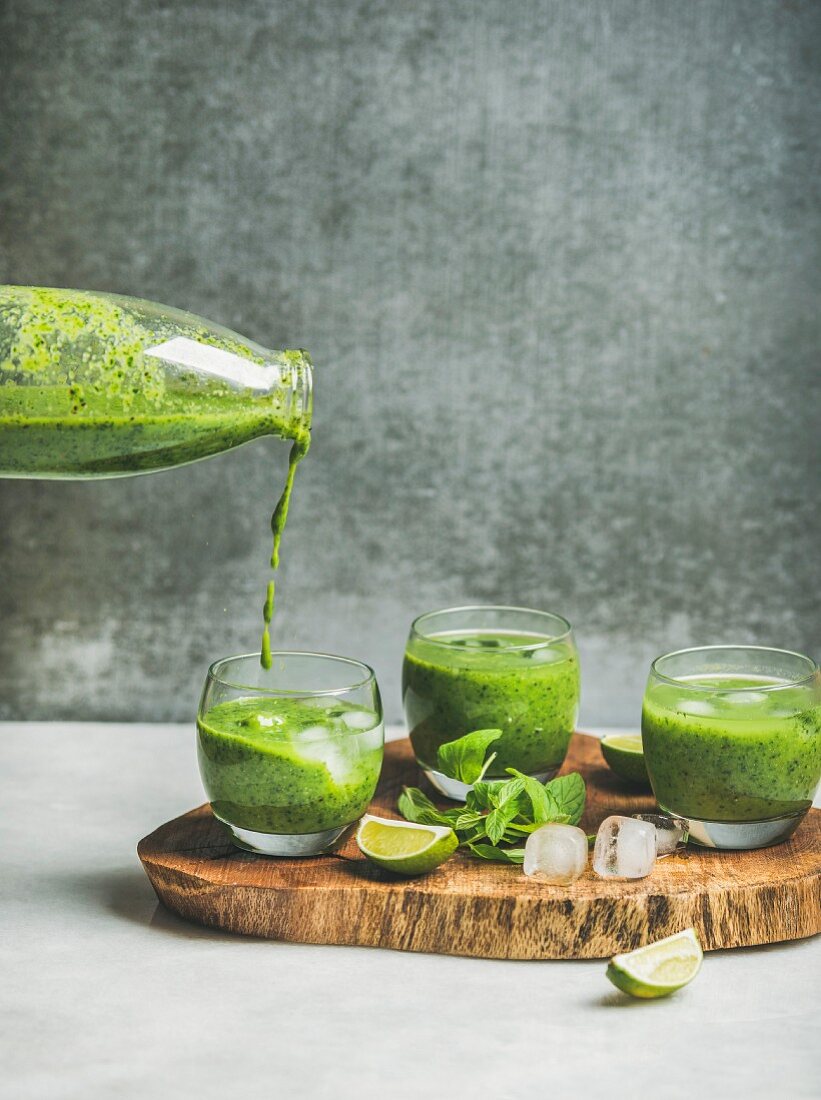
[
  {"x": 301, "y": 381},
  {"x": 308, "y": 391}
]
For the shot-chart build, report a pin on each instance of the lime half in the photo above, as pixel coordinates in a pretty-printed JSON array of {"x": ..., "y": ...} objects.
[
  {"x": 625, "y": 756},
  {"x": 405, "y": 848},
  {"x": 658, "y": 969}
]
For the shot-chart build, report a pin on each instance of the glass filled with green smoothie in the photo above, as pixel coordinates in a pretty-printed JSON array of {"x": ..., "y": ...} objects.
[
  {"x": 511, "y": 670},
  {"x": 289, "y": 755},
  {"x": 732, "y": 741}
]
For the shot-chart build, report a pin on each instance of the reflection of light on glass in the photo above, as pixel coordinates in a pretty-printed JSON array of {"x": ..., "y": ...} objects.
[{"x": 206, "y": 359}]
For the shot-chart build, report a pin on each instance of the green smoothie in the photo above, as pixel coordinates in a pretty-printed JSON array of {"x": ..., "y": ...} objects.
[
  {"x": 276, "y": 765},
  {"x": 40, "y": 435},
  {"x": 87, "y": 389},
  {"x": 721, "y": 748},
  {"x": 524, "y": 684}
]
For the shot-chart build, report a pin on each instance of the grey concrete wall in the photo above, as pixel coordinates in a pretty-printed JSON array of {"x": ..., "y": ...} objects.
[{"x": 557, "y": 264}]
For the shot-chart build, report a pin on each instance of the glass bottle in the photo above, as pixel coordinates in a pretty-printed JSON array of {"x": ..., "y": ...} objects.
[{"x": 103, "y": 385}]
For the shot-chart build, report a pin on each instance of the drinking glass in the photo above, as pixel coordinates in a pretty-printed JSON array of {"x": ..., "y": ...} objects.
[
  {"x": 512, "y": 669},
  {"x": 289, "y": 756},
  {"x": 732, "y": 741}
]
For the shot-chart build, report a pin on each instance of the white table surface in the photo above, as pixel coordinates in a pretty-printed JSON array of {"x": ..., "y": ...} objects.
[{"x": 105, "y": 994}]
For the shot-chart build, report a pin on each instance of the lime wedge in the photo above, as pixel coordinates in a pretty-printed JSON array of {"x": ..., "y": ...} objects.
[
  {"x": 625, "y": 756},
  {"x": 658, "y": 969},
  {"x": 405, "y": 848}
]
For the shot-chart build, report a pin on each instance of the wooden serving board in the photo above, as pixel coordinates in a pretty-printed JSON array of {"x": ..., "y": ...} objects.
[{"x": 489, "y": 910}]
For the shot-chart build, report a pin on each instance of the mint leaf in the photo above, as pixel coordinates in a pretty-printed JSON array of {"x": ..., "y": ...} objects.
[
  {"x": 464, "y": 758},
  {"x": 413, "y": 802},
  {"x": 543, "y": 805},
  {"x": 468, "y": 819},
  {"x": 521, "y": 828},
  {"x": 500, "y": 855},
  {"x": 488, "y": 796},
  {"x": 415, "y": 806},
  {"x": 569, "y": 794},
  {"x": 507, "y": 793},
  {"x": 497, "y": 820},
  {"x": 481, "y": 797}
]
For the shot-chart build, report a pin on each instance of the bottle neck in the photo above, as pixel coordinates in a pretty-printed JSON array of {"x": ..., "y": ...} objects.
[{"x": 296, "y": 373}]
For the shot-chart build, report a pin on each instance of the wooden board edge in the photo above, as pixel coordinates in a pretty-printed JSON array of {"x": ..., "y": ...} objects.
[{"x": 603, "y": 929}]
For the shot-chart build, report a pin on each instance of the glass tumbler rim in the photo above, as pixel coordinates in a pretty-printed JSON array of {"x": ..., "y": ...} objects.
[
  {"x": 759, "y": 649},
  {"x": 217, "y": 666},
  {"x": 542, "y": 643}
]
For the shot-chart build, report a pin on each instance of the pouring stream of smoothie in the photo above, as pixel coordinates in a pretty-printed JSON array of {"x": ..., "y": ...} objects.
[{"x": 278, "y": 520}]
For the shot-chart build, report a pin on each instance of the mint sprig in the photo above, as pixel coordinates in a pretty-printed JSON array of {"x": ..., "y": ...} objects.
[
  {"x": 496, "y": 817},
  {"x": 466, "y": 758},
  {"x": 414, "y": 805}
]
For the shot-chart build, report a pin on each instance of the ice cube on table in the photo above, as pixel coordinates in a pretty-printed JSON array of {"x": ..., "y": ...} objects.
[
  {"x": 625, "y": 848},
  {"x": 556, "y": 854},
  {"x": 670, "y": 831}
]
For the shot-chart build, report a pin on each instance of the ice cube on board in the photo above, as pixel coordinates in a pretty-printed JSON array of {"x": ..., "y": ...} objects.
[
  {"x": 625, "y": 848},
  {"x": 556, "y": 854}
]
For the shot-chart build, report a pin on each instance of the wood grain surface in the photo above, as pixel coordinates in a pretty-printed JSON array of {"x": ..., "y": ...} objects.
[{"x": 470, "y": 907}]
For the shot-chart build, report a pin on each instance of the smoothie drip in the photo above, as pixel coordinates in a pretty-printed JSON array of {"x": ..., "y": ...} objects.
[{"x": 278, "y": 520}]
